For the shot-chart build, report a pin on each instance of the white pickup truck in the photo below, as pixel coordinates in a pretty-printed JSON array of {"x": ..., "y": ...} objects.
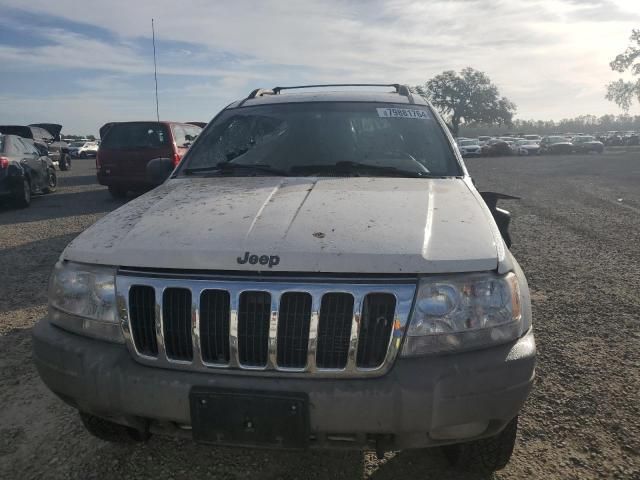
[{"x": 318, "y": 271}]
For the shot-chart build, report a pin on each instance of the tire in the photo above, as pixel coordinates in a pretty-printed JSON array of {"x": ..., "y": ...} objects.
[
  {"x": 111, "y": 432},
  {"x": 117, "y": 192},
  {"x": 83, "y": 155},
  {"x": 23, "y": 197},
  {"x": 65, "y": 162},
  {"x": 52, "y": 181},
  {"x": 487, "y": 455}
]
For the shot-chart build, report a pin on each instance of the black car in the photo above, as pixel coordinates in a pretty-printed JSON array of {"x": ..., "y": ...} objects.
[
  {"x": 46, "y": 137},
  {"x": 555, "y": 144},
  {"x": 496, "y": 148},
  {"x": 23, "y": 170},
  {"x": 587, "y": 144}
]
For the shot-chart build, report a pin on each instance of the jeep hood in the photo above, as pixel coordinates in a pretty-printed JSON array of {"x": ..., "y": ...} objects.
[{"x": 333, "y": 225}]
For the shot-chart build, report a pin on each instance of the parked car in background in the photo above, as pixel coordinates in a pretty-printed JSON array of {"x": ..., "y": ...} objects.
[
  {"x": 633, "y": 139},
  {"x": 23, "y": 170},
  {"x": 83, "y": 149},
  {"x": 58, "y": 149},
  {"x": 587, "y": 144},
  {"x": 495, "y": 148},
  {"x": 555, "y": 144},
  {"x": 482, "y": 139},
  {"x": 127, "y": 147},
  {"x": 469, "y": 148},
  {"x": 536, "y": 138},
  {"x": 526, "y": 147},
  {"x": 44, "y": 140}
]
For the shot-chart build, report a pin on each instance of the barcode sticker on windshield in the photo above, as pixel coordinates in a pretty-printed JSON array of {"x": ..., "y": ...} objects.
[{"x": 403, "y": 113}]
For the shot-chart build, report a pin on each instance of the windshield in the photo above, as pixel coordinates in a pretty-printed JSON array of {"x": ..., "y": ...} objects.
[
  {"x": 297, "y": 137},
  {"x": 466, "y": 143},
  {"x": 76, "y": 144},
  {"x": 583, "y": 139}
]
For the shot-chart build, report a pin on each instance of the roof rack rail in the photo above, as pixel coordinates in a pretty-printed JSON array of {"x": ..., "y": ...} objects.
[
  {"x": 400, "y": 89},
  {"x": 259, "y": 92}
]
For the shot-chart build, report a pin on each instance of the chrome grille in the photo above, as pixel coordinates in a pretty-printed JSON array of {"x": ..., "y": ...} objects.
[{"x": 295, "y": 327}]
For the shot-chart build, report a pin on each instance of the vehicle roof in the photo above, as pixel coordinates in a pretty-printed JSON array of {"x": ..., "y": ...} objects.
[
  {"x": 18, "y": 130},
  {"x": 330, "y": 96},
  {"x": 164, "y": 122}
]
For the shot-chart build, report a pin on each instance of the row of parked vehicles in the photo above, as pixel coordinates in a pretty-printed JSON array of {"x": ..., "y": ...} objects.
[
  {"x": 30, "y": 154},
  {"x": 528, "y": 145}
]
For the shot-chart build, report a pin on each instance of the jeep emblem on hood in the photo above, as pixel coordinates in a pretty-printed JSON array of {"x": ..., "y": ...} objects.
[{"x": 271, "y": 260}]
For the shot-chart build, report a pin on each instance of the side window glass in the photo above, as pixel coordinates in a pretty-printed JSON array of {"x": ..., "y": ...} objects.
[
  {"x": 191, "y": 134},
  {"x": 179, "y": 135},
  {"x": 17, "y": 145}
]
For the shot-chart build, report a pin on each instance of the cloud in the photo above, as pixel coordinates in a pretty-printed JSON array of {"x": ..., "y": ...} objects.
[{"x": 550, "y": 57}]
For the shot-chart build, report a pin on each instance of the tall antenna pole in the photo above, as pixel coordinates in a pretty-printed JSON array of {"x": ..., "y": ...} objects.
[{"x": 155, "y": 67}]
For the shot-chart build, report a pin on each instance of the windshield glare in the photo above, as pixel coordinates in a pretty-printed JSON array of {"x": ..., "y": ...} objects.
[{"x": 300, "y": 136}]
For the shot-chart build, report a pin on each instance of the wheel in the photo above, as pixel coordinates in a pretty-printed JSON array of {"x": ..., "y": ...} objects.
[
  {"x": 112, "y": 432},
  {"x": 486, "y": 455},
  {"x": 83, "y": 155},
  {"x": 117, "y": 192},
  {"x": 23, "y": 197},
  {"x": 52, "y": 181},
  {"x": 65, "y": 162}
]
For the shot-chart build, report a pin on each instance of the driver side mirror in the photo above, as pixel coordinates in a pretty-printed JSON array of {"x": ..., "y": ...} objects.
[
  {"x": 502, "y": 217},
  {"x": 159, "y": 169}
]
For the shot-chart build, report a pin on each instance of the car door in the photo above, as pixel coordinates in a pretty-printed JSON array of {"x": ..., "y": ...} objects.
[{"x": 36, "y": 164}]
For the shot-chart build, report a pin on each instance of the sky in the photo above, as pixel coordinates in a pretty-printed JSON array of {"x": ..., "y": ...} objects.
[{"x": 83, "y": 63}]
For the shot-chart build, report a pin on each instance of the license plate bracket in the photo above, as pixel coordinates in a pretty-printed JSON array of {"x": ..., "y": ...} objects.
[{"x": 249, "y": 418}]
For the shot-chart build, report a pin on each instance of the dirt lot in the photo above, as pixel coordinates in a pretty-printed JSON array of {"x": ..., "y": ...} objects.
[{"x": 576, "y": 233}]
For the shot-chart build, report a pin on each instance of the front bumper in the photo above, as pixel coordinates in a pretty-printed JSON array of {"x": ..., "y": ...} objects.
[{"x": 421, "y": 402}]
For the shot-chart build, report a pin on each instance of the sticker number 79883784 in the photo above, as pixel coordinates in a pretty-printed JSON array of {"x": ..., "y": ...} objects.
[{"x": 410, "y": 113}]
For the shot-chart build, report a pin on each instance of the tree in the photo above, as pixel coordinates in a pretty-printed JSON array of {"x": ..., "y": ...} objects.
[
  {"x": 468, "y": 97},
  {"x": 623, "y": 92}
]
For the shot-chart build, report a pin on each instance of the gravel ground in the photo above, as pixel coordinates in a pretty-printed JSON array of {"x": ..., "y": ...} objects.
[{"x": 576, "y": 233}]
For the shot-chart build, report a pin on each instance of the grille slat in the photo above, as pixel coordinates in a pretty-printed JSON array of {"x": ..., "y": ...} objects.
[
  {"x": 376, "y": 325},
  {"x": 334, "y": 330},
  {"x": 176, "y": 320},
  {"x": 254, "y": 314},
  {"x": 143, "y": 319},
  {"x": 293, "y": 329},
  {"x": 214, "y": 326}
]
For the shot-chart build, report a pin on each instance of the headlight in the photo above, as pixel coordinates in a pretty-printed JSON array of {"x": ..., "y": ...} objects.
[
  {"x": 464, "y": 312},
  {"x": 82, "y": 299}
]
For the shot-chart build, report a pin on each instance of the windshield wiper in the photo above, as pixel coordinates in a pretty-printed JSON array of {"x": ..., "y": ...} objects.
[
  {"x": 228, "y": 167},
  {"x": 356, "y": 167}
]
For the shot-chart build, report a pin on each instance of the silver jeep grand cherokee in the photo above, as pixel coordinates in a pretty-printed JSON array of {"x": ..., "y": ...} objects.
[{"x": 318, "y": 271}]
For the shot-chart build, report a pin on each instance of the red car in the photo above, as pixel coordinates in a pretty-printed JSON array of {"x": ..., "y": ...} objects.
[{"x": 127, "y": 147}]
